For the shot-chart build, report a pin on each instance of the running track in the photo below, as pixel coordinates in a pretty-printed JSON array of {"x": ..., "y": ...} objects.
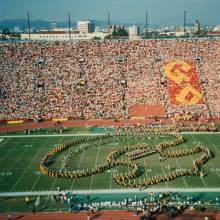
[{"x": 112, "y": 215}]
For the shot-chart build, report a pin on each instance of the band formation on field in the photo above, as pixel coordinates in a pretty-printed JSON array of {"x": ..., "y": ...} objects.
[{"x": 127, "y": 155}]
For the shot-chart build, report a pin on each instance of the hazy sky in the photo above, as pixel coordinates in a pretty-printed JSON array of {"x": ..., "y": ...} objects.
[{"x": 160, "y": 11}]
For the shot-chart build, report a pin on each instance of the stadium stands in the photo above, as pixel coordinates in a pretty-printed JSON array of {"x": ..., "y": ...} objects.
[{"x": 109, "y": 80}]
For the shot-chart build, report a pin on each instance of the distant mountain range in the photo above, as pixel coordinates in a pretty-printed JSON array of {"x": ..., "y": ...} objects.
[
  {"x": 38, "y": 24},
  {"x": 22, "y": 24}
]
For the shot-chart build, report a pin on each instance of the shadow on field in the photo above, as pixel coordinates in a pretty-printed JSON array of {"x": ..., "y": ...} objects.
[
  {"x": 43, "y": 209},
  {"x": 19, "y": 217},
  {"x": 199, "y": 196},
  {"x": 5, "y": 199},
  {"x": 97, "y": 214}
]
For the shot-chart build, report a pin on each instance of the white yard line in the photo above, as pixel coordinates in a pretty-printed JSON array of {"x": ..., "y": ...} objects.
[
  {"x": 203, "y": 182},
  {"x": 52, "y": 135},
  {"x": 145, "y": 166},
  {"x": 9, "y": 149},
  {"x": 80, "y": 161},
  {"x": 12, "y": 166},
  {"x": 211, "y": 160},
  {"x": 85, "y": 134},
  {"x": 213, "y": 144},
  {"x": 184, "y": 180},
  {"x": 111, "y": 169},
  {"x": 202, "y": 179},
  {"x": 111, "y": 191},
  {"x": 2, "y": 143},
  {"x": 96, "y": 160},
  {"x": 30, "y": 163},
  {"x": 60, "y": 141},
  {"x": 35, "y": 182},
  {"x": 161, "y": 165},
  {"x": 199, "y": 132},
  {"x": 37, "y": 179},
  {"x": 110, "y": 179}
]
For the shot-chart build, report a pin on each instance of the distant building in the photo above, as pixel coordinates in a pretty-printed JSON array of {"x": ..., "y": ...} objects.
[
  {"x": 216, "y": 28},
  {"x": 62, "y": 29},
  {"x": 85, "y": 27},
  {"x": 60, "y": 35},
  {"x": 214, "y": 33},
  {"x": 122, "y": 27},
  {"x": 117, "y": 30},
  {"x": 197, "y": 28},
  {"x": 133, "y": 31},
  {"x": 17, "y": 30},
  {"x": 112, "y": 28},
  {"x": 53, "y": 25},
  {"x": 179, "y": 32}
]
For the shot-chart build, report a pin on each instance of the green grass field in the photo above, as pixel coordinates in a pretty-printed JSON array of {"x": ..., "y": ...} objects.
[{"x": 20, "y": 158}]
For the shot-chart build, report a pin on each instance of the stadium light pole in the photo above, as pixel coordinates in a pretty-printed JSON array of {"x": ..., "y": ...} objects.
[
  {"x": 69, "y": 22},
  {"x": 146, "y": 24},
  {"x": 108, "y": 23},
  {"x": 184, "y": 22},
  {"x": 29, "y": 26}
]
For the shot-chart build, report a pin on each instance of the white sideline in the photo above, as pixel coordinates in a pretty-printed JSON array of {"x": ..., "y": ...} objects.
[
  {"x": 110, "y": 191},
  {"x": 51, "y": 135},
  {"x": 86, "y": 134}
]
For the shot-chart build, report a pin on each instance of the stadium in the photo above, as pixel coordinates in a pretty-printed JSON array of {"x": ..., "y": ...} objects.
[{"x": 109, "y": 125}]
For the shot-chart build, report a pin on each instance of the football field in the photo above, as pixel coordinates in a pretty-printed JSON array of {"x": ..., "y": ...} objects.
[{"x": 20, "y": 158}]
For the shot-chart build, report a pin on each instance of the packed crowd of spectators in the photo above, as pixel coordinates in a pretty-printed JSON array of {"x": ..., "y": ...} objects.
[
  {"x": 94, "y": 79},
  {"x": 210, "y": 74},
  {"x": 204, "y": 53}
]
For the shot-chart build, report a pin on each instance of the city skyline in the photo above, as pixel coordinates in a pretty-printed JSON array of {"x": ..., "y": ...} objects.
[{"x": 159, "y": 12}]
